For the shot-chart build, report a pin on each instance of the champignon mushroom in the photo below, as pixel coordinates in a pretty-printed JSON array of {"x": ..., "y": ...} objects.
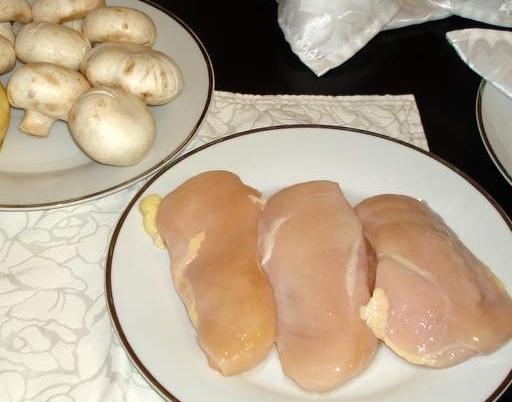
[
  {"x": 42, "y": 41},
  {"x": 15, "y": 10},
  {"x": 112, "y": 126},
  {"x": 47, "y": 92},
  {"x": 119, "y": 24},
  {"x": 146, "y": 73},
  {"x": 7, "y": 54},
  {"x": 63, "y": 10}
]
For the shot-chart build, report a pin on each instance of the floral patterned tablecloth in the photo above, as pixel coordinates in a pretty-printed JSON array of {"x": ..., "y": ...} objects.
[{"x": 56, "y": 341}]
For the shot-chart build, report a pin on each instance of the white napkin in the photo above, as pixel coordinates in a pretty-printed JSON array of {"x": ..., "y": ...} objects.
[
  {"x": 56, "y": 341},
  {"x": 488, "y": 52}
]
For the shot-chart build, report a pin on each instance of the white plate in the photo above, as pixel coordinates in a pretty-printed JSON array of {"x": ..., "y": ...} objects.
[
  {"x": 493, "y": 110},
  {"x": 38, "y": 173},
  {"x": 151, "y": 321}
]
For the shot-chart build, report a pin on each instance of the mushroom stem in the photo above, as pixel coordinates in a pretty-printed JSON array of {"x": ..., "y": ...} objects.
[
  {"x": 75, "y": 24},
  {"x": 36, "y": 123}
]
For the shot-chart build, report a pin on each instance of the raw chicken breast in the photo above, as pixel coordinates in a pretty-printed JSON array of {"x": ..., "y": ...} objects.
[
  {"x": 435, "y": 303},
  {"x": 209, "y": 225},
  {"x": 312, "y": 249}
]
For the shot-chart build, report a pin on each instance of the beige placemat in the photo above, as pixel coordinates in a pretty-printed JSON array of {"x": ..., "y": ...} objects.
[{"x": 56, "y": 342}]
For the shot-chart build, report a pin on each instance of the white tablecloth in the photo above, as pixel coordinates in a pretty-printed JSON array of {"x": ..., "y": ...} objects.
[{"x": 56, "y": 342}]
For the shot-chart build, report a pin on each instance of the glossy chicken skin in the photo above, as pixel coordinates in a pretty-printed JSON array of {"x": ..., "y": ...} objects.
[
  {"x": 313, "y": 251},
  {"x": 209, "y": 225},
  {"x": 434, "y": 303}
]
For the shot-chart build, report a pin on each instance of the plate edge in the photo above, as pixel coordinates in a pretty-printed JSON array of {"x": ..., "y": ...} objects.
[
  {"x": 483, "y": 132},
  {"x": 500, "y": 389}
]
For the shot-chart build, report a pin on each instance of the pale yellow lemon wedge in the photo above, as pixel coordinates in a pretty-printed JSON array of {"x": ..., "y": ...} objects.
[{"x": 5, "y": 113}]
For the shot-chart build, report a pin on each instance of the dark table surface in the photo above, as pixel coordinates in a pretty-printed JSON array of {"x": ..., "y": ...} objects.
[{"x": 250, "y": 55}]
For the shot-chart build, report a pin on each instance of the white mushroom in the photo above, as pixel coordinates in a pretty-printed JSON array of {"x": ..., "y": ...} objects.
[
  {"x": 47, "y": 92},
  {"x": 7, "y": 54},
  {"x": 119, "y": 24},
  {"x": 112, "y": 126},
  {"x": 63, "y": 10},
  {"x": 147, "y": 73},
  {"x": 42, "y": 41},
  {"x": 15, "y": 10}
]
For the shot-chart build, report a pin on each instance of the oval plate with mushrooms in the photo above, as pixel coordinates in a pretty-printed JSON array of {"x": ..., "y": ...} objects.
[{"x": 49, "y": 172}]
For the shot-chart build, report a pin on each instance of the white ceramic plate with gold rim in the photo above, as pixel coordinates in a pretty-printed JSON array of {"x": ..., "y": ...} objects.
[
  {"x": 493, "y": 111},
  {"x": 150, "y": 319},
  {"x": 39, "y": 173}
]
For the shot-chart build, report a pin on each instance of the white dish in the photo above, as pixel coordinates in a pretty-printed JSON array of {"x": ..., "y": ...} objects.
[
  {"x": 150, "y": 319},
  {"x": 39, "y": 173},
  {"x": 493, "y": 110}
]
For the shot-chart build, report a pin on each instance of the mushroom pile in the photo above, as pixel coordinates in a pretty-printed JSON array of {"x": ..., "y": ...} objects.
[{"x": 90, "y": 65}]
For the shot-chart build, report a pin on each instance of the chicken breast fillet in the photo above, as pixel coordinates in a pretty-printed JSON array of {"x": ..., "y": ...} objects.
[
  {"x": 435, "y": 303},
  {"x": 312, "y": 249},
  {"x": 209, "y": 225}
]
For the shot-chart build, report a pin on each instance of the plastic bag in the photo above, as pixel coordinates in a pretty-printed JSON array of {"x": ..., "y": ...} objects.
[
  {"x": 325, "y": 33},
  {"x": 496, "y": 12},
  {"x": 488, "y": 52},
  {"x": 415, "y": 12}
]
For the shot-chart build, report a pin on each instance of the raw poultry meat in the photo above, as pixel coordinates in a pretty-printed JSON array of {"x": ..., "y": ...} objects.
[
  {"x": 209, "y": 225},
  {"x": 434, "y": 302},
  {"x": 312, "y": 249}
]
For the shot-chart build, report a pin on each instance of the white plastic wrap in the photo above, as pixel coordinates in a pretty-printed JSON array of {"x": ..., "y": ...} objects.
[
  {"x": 488, "y": 52},
  {"x": 325, "y": 33},
  {"x": 415, "y": 12},
  {"x": 496, "y": 12}
]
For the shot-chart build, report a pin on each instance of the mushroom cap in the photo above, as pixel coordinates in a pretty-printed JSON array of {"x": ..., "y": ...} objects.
[
  {"x": 149, "y": 74},
  {"x": 15, "y": 10},
  {"x": 42, "y": 41},
  {"x": 112, "y": 126},
  {"x": 47, "y": 88},
  {"x": 7, "y": 55},
  {"x": 62, "y": 10},
  {"x": 119, "y": 24}
]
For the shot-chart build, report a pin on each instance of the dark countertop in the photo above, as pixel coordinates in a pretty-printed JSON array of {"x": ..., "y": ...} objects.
[{"x": 250, "y": 55}]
